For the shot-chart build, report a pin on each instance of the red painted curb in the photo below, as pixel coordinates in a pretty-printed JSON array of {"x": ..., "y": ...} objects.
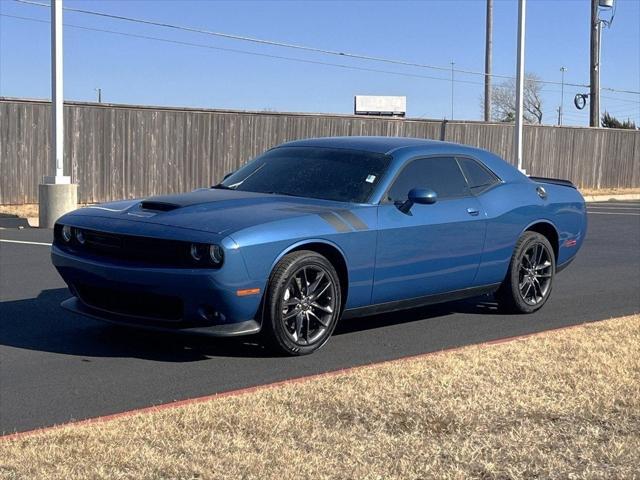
[{"x": 293, "y": 380}]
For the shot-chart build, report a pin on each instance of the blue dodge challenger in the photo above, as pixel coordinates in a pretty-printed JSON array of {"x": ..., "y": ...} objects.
[{"x": 321, "y": 229}]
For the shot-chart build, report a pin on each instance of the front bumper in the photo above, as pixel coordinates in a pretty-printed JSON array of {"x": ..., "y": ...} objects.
[
  {"x": 247, "y": 327},
  {"x": 177, "y": 299}
]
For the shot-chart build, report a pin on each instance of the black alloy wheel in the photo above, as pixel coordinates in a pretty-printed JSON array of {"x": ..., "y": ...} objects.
[
  {"x": 303, "y": 303},
  {"x": 529, "y": 280}
]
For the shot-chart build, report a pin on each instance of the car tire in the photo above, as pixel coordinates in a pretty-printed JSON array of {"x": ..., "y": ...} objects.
[
  {"x": 529, "y": 280},
  {"x": 302, "y": 303}
]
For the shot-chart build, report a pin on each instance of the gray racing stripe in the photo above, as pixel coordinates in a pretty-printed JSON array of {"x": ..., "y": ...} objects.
[
  {"x": 335, "y": 222},
  {"x": 353, "y": 219}
]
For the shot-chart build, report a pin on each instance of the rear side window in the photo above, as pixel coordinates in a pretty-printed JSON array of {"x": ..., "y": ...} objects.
[
  {"x": 440, "y": 174},
  {"x": 478, "y": 176}
]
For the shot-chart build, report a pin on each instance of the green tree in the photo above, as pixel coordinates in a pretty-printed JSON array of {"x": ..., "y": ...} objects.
[{"x": 609, "y": 121}]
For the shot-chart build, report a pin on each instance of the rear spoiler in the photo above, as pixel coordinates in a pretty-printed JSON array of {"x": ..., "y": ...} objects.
[{"x": 555, "y": 181}]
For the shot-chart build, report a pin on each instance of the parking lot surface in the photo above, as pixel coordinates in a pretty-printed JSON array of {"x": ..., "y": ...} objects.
[{"x": 56, "y": 366}]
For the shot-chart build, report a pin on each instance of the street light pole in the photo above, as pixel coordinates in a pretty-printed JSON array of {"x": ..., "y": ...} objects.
[
  {"x": 594, "y": 94},
  {"x": 517, "y": 144},
  {"x": 452, "y": 80},
  {"x": 56, "y": 194},
  {"x": 561, "y": 109},
  {"x": 57, "y": 93}
]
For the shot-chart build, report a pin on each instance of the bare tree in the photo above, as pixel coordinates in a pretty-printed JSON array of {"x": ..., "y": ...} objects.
[{"x": 503, "y": 99}]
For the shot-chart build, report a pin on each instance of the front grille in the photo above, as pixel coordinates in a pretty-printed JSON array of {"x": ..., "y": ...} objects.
[
  {"x": 131, "y": 248},
  {"x": 141, "y": 249},
  {"x": 146, "y": 305}
]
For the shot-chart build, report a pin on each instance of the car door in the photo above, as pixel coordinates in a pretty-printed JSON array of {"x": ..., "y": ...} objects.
[{"x": 433, "y": 248}]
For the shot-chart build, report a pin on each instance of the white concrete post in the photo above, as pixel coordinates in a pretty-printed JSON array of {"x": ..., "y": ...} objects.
[{"x": 517, "y": 144}]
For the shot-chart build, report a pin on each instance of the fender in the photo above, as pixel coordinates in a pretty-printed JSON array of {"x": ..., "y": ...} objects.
[
  {"x": 290, "y": 248},
  {"x": 308, "y": 241}
]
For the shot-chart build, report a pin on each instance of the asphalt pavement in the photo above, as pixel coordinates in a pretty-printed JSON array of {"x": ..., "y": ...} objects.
[{"x": 56, "y": 366}]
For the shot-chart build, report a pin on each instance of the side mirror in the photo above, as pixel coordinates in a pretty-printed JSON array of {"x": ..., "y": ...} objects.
[{"x": 422, "y": 196}]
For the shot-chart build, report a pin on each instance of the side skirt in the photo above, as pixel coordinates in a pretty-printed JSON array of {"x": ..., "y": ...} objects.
[
  {"x": 560, "y": 268},
  {"x": 420, "y": 301}
]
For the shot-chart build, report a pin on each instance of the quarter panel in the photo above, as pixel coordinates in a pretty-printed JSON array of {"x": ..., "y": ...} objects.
[{"x": 511, "y": 208}]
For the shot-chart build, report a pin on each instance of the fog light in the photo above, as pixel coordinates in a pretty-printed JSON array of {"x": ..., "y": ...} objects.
[
  {"x": 80, "y": 236},
  {"x": 209, "y": 314},
  {"x": 66, "y": 233}
]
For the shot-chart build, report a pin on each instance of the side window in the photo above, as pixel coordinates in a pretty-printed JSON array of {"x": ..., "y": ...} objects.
[
  {"x": 440, "y": 174},
  {"x": 478, "y": 177}
]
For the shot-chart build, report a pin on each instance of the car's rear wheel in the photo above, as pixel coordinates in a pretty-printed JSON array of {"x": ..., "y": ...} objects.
[
  {"x": 303, "y": 303},
  {"x": 528, "y": 283}
]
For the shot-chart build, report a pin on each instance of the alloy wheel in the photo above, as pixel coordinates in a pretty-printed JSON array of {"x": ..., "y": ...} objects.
[
  {"x": 308, "y": 305},
  {"x": 535, "y": 273}
]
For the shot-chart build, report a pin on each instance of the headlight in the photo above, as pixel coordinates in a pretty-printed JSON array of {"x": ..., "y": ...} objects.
[
  {"x": 205, "y": 254},
  {"x": 66, "y": 233},
  {"x": 79, "y": 236},
  {"x": 215, "y": 254},
  {"x": 197, "y": 251}
]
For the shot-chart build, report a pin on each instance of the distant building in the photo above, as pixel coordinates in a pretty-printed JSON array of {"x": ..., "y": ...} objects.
[{"x": 380, "y": 105}]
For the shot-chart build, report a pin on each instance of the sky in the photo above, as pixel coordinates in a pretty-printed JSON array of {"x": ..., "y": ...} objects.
[{"x": 152, "y": 72}]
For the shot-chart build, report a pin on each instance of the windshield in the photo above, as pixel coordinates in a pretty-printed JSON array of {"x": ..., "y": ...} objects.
[{"x": 325, "y": 173}]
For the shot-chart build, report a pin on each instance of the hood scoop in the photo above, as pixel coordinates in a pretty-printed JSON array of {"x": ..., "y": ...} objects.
[{"x": 158, "y": 206}]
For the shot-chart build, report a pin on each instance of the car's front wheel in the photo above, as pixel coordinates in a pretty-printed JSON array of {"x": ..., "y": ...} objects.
[
  {"x": 303, "y": 303},
  {"x": 528, "y": 283}
]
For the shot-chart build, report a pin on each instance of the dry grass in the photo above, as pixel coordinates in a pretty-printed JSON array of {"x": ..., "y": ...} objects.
[
  {"x": 609, "y": 191},
  {"x": 560, "y": 405},
  {"x": 27, "y": 210},
  {"x": 24, "y": 211}
]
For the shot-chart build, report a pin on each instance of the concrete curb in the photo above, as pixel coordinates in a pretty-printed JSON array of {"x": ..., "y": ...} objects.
[{"x": 612, "y": 197}]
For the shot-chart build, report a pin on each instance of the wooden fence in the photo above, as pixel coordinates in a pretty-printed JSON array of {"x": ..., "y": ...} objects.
[{"x": 120, "y": 151}]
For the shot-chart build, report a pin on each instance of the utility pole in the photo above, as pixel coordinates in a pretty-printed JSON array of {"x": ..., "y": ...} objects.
[
  {"x": 99, "y": 93},
  {"x": 488, "y": 53},
  {"x": 594, "y": 95},
  {"x": 56, "y": 195},
  {"x": 452, "y": 80},
  {"x": 561, "y": 108},
  {"x": 517, "y": 144}
]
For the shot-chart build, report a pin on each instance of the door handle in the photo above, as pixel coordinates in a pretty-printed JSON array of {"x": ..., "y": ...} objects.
[{"x": 473, "y": 211}]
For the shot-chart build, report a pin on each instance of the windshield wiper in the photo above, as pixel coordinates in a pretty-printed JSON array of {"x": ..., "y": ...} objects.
[{"x": 221, "y": 187}]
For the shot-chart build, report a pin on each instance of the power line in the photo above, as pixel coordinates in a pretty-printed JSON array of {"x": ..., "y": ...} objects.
[
  {"x": 621, "y": 110},
  {"x": 622, "y": 113},
  {"x": 257, "y": 40},
  {"x": 300, "y": 47},
  {"x": 617, "y": 90},
  {"x": 244, "y": 52},
  {"x": 617, "y": 99}
]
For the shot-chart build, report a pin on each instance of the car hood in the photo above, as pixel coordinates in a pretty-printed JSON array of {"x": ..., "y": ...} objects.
[{"x": 212, "y": 210}]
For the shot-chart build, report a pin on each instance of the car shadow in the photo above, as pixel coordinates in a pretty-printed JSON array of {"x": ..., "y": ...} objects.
[
  {"x": 40, "y": 324},
  {"x": 483, "y": 305}
]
